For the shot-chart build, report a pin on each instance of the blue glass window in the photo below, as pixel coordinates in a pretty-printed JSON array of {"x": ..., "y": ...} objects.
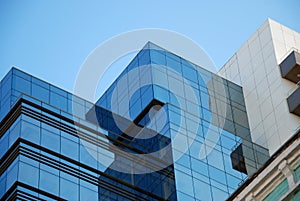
[
  {"x": 30, "y": 132},
  {"x": 2, "y": 184},
  {"x": 49, "y": 182},
  {"x": 174, "y": 64},
  {"x": 4, "y": 143},
  {"x": 185, "y": 182},
  {"x": 69, "y": 148},
  {"x": 218, "y": 194},
  {"x": 21, "y": 85},
  {"x": 88, "y": 156},
  {"x": 40, "y": 93},
  {"x": 202, "y": 190},
  {"x": 185, "y": 197},
  {"x": 217, "y": 174},
  {"x": 157, "y": 57},
  {"x": 50, "y": 140},
  {"x": 199, "y": 166},
  {"x": 87, "y": 194},
  {"x": 28, "y": 174},
  {"x": 14, "y": 132},
  {"x": 190, "y": 73},
  {"x": 12, "y": 174},
  {"x": 69, "y": 190},
  {"x": 58, "y": 101},
  {"x": 144, "y": 57}
]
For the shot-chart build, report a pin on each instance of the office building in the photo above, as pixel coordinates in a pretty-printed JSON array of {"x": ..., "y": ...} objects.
[
  {"x": 166, "y": 129},
  {"x": 267, "y": 67},
  {"x": 255, "y": 67}
]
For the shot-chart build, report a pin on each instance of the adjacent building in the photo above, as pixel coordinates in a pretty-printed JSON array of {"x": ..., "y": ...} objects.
[
  {"x": 267, "y": 66},
  {"x": 278, "y": 179},
  {"x": 166, "y": 129},
  {"x": 255, "y": 67}
]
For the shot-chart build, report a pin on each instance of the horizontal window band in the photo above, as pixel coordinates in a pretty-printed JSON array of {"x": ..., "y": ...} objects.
[
  {"x": 150, "y": 161},
  {"x": 8, "y": 158},
  {"x": 14, "y": 193},
  {"x": 21, "y": 150}
]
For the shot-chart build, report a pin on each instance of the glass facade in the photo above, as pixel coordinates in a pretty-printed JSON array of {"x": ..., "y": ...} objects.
[
  {"x": 166, "y": 129},
  {"x": 207, "y": 112}
]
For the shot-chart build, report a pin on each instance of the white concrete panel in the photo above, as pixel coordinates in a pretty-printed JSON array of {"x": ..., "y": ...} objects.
[
  {"x": 254, "y": 117},
  {"x": 289, "y": 41},
  {"x": 260, "y": 74},
  {"x": 284, "y": 128},
  {"x": 246, "y": 72},
  {"x": 272, "y": 131},
  {"x": 252, "y": 98},
  {"x": 274, "y": 142},
  {"x": 297, "y": 42},
  {"x": 243, "y": 55},
  {"x": 237, "y": 79},
  {"x": 280, "y": 51},
  {"x": 222, "y": 72},
  {"x": 262, "y": 140},
  {"x": 265, "y": 24},
  {"x": 254, "y": 46},
  {"x": 257, "y": 61},
  {"x": 276, "y": 31},
  {"x": 288, "y": 87},
  {"x": 257, "y": 132},
  {"x": 269, "y": 121},
  {"x": 274, "y": 83},
  {"x": 265, "y": 91},
  {"x": 234, "y": 68},
  {"x": 281, "y": 109},
  {"x": 287, "y": 30},
  {"x": 248, "y": 85},
  {"x": 268, "y": 49},
  {"x": 271, "y": 64},
  {"x": 277, "y": 97},
  {"x": 266, "y": 107},
  {"x": 265, "y": 36}
]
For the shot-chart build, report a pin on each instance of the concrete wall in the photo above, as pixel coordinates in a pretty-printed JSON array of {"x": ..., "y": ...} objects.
[{"x": 255, "y": 67}]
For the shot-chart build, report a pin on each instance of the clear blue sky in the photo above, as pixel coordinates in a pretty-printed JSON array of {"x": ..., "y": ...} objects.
[{"x": 51, "y": 39}]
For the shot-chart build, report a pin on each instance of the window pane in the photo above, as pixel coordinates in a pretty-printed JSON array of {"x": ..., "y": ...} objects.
[
  {"x": 88, "y": 157},
  {"x": 202, "y": 190},
  {"x": 21, "y": 85},
  {"x": 58, "y": 101},
  {"x": 30, "y": 132},
  {"x": 4, "y": 144},
  {"x": 2, "y": 186},
  {"x": 87, "y": 194},
  {"x": 24, "y": 176},
  {"x": 49, "y": 182},
  {"x": 185, "y": 182},
  {"x": 69, "y": 148},
  {"x": 219, "y": 194},
  {"x": 69, "y": 190},
  {"x": 40, "y": 93},
  {"x": 50, "y": 140},
  {"x": 14, "y": 133},
  {"x": 12, "y": 175}
]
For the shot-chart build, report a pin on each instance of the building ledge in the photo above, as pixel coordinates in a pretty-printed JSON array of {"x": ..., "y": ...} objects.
[
  {"x": 294, "y": 102},
  {"x": 290, "y": 67}
]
